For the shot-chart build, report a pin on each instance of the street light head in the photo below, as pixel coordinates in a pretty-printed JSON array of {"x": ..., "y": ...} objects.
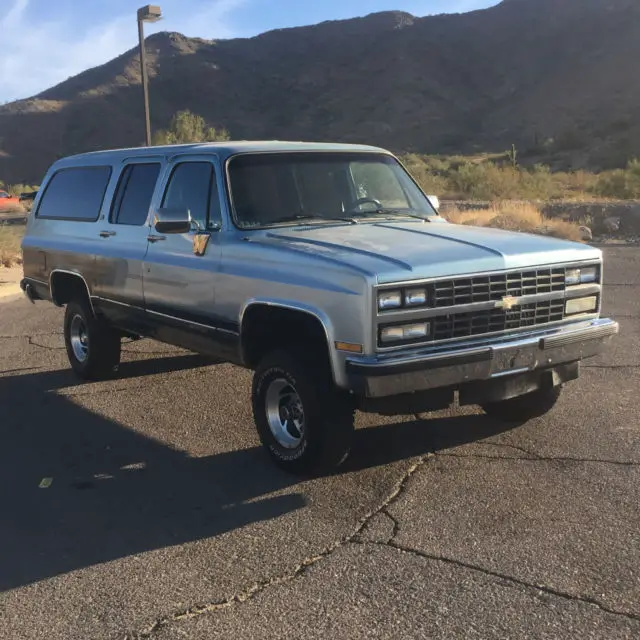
[{"x": 150, "y": 13}]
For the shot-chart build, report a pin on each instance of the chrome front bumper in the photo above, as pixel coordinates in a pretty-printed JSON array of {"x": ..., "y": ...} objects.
[{"x": 396, "y": 374}]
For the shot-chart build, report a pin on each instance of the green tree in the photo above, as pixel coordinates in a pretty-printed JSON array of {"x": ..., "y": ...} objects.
[{"x": 189, "y": 127}]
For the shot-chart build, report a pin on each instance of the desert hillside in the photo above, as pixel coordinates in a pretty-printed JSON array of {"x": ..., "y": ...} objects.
[{"x": 558, "y": 78}]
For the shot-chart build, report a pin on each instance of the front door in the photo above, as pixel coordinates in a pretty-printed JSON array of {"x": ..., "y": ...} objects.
[{"x": 180, "y": 270}]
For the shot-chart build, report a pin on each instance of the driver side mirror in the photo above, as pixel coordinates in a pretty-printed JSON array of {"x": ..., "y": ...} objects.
[{"x": 172, "y": 221}]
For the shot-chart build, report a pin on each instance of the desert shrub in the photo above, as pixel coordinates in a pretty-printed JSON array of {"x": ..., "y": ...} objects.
[
  {"x": 430, "y": 182},
  {"x": 575, "y": 184},
  {"x": 515, "y": 216},
  {"x": 17, "y": 189},
  {"x": 492, "y": 177},
  {"x": 620, "y": 183},
  {"x": 538, "y": 184},
  {"x": 486, "y": 181}
]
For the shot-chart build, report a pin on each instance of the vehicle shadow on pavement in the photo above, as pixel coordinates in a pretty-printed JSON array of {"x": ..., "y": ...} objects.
[
  {"x": 116, "y": 493},
  {"x": 393, "y": 442}
]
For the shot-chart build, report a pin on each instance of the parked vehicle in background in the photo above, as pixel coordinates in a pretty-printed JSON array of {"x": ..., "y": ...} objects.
[{"x": 323, "y": 268}]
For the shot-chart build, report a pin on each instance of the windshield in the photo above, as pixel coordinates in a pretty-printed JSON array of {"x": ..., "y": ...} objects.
[{"x": 281, "y": 188}]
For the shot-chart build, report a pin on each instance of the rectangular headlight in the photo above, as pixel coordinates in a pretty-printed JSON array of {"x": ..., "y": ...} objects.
[
  {"x": 405, "y": 332},
  {"x": 588, "y": 274},
  {"x": 415, "y": 297},
  {"x": 389, "y": 300},
  {"x": 581, "y": 305},
  {"x": 572, "y": 277},
  {"x": 581, "y": 276}
]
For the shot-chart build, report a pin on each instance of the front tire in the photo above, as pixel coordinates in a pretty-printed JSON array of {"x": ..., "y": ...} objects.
[
  {"x": 303, "y": 420},
  {"x": 93, "y": 347},
  {"x": 523, "y": 408}
]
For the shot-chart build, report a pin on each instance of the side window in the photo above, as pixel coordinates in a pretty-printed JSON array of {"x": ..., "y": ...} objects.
[
  {"x": 75, "y": 194},
  {"x": 134, "y": 193},
  {"x": 193, "y": 186}
]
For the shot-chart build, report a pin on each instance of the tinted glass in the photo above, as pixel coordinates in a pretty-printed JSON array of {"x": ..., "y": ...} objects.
[
  {"x": 284, "y": 187},
  {"x": 75, "y": 194},
  {"x": 192, "y": 187},
  {"x": 135, "y": 191}
]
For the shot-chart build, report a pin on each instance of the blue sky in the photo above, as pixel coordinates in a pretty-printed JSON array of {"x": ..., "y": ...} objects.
[{"x": 46, "y": 41}]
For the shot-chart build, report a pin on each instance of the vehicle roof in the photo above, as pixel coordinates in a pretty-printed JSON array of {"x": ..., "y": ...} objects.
[{"x": 223, "y": 150}]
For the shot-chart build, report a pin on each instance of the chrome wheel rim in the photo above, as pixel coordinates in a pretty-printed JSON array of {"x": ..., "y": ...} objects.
[
  {"x": 79, "y": 338},
  {"x": 285, "y": 413}
]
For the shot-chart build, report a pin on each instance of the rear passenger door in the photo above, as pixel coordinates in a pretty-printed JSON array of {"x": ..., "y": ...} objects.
[
  {"x": 179, "y": 282},
  {"x": 124, "y": 236}
]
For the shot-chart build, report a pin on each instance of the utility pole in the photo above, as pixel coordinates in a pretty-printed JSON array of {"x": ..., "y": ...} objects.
[{"x": 149, "y": 13}]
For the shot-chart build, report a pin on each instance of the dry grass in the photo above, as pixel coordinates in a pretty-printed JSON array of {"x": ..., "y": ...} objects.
[
  {"x": 12, "y": 209},
  {"x": 516, "y": 216},
  {"x": 10, "y": 238}
]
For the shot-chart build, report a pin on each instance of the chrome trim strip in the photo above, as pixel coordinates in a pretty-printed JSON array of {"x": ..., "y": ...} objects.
[
  {"x": 510, "y": 372},
  {"x": 164, "y": 315},
  {"x": 193, "y": 322},
  {"x": 71, "y": 273},
  {"x": 122, "y": 304}
]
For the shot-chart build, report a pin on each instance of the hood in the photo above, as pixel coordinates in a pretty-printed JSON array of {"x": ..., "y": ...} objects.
[{"x": 399, "y": 251}]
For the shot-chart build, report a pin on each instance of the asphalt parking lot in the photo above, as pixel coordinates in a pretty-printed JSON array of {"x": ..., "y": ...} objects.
[{"x": 164, "y": 519}]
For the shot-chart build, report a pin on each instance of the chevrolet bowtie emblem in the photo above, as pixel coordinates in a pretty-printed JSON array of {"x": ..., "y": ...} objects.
[{"x": 507, "y": 303}]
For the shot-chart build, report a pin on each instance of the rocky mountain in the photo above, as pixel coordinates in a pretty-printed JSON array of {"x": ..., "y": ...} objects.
[{"x": 555, "y": 76}]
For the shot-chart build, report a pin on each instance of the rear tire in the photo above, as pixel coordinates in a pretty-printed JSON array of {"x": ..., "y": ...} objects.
[
  {"x": 93, "y": 347},
  {"x": 521, "y": 409},
  {"x": 303, "y": 420}
]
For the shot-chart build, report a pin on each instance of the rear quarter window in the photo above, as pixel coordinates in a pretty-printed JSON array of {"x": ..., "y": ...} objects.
[{"x": 75, "y": 194}]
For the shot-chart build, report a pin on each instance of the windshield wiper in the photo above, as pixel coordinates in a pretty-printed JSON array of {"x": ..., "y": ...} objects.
[
  {"x": 395, "y": 212},
  {"x": 313, "y": 216}
]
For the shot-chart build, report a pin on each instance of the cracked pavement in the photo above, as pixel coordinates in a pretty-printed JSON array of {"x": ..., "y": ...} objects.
[{"x": 165, "y": 520}]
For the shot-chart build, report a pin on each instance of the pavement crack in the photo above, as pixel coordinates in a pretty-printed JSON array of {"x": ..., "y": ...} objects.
[
  {"x": 528, "y": 453},
  {"x": 33, "y": 343},
  {"x": 537, "y": 458},
  {"x": 396, "y": 524},
  {"x": 24, "y": 335},
  {"x": 611, "y": 366},
  {"x": 510, "y": 579},
  {"x": 299, "y": 570},
  {"x": 20, "y": 370}
]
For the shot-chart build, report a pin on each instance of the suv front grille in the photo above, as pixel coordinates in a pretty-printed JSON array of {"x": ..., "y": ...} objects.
[
  {"x": 448, "y": 293},
  {"x": 461, "y": 325}
]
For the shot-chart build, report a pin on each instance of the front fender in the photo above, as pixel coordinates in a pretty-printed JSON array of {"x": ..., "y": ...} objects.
[{"x": 336, "y": 359}]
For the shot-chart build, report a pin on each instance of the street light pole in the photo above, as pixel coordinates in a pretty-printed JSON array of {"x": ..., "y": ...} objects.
[{"x": 149, "y": 13}]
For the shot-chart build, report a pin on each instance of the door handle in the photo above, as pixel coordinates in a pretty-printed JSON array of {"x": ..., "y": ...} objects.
[
  {"x": 156, "y": 238},
  {"x": 107, "y": 234}
]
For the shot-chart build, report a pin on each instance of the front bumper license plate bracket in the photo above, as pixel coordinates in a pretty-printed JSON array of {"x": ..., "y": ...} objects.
[{"x": 513, "y": 359}]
